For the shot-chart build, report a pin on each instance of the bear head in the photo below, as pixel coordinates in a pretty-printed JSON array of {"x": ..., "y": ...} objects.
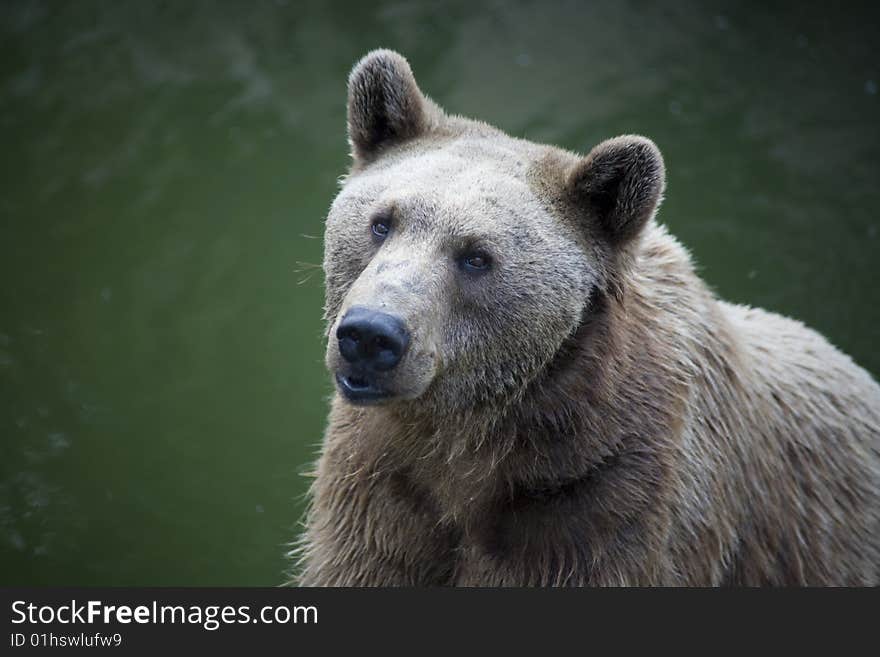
[{"x": 459, "y": 260}]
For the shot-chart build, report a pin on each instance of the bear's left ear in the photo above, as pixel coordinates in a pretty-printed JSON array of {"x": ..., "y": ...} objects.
[
  {"x": 619, "y": 186},
  {"x": 385, "y": 105}
]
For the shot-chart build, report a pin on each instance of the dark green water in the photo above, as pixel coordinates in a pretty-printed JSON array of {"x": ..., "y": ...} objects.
[{"x": 166, "y": 168}]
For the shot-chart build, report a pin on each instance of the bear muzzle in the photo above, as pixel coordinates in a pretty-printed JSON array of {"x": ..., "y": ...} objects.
[{"x": 371, "y": 344}]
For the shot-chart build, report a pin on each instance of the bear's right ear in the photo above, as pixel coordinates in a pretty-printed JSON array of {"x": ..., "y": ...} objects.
[
  {"x": 619, "y": 185},
  {"x": 385, "y": 105}
]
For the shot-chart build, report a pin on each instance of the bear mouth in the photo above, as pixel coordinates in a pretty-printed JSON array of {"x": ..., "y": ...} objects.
[{"x": 360, "y": 390}]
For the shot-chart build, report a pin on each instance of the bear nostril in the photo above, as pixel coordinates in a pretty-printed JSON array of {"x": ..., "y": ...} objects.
[
  {"x": 347, "y": 333},
  {"x": 371, "y": 339},
  {"x": 348, "y": 347},
  {"x": 348, "y": 342}
]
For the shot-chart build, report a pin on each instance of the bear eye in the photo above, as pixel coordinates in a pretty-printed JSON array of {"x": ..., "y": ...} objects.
[
  {"x": 476, "y": 262},
  {"x": 380, "y": 227}
]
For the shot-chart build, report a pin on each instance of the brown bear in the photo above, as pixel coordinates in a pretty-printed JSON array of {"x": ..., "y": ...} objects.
[{"x": 535, "y": 388}]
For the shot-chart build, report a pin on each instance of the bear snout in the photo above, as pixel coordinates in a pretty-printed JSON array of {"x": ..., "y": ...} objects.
[{"x": 370, "y": 344}]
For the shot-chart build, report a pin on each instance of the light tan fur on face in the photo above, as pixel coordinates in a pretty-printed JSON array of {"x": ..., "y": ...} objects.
[
  {"x": 588, "y": 412},
  {"x": 413, "y": 274}
]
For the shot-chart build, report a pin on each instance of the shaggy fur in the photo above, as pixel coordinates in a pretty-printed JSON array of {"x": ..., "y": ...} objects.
[{"x": 584, "y": 413}]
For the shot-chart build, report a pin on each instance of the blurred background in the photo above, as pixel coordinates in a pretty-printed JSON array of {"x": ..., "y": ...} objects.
[{"x": 166, "y": 170}]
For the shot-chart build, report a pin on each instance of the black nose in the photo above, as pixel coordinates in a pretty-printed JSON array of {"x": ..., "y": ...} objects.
[{"x": 372, "y": 339}]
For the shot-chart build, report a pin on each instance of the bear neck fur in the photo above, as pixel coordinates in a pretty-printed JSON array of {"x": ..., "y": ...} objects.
[{"x": 603, "y": 415}]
